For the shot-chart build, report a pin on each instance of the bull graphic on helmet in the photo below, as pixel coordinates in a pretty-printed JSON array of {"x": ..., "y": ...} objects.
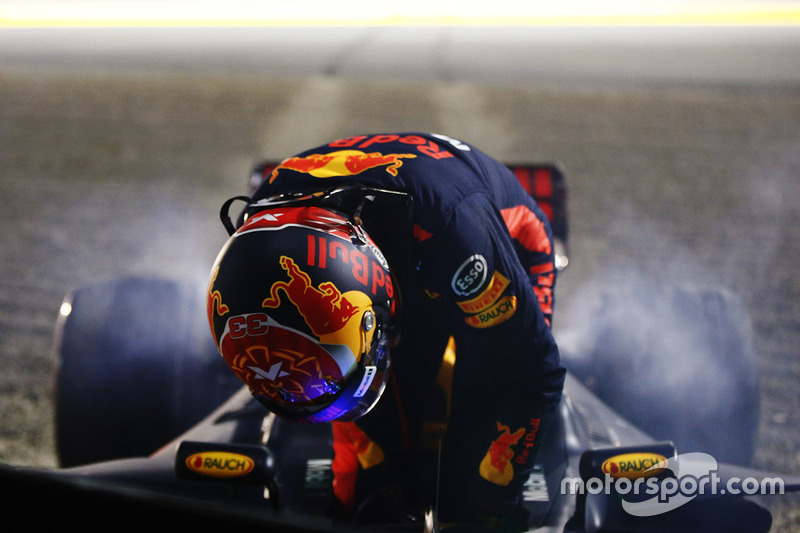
[
  {"x": 306, "y": 338},
  {"x": 325, "y": 309}
]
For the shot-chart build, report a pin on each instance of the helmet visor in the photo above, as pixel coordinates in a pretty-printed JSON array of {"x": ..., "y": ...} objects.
[{"x": 362, "y": 389}]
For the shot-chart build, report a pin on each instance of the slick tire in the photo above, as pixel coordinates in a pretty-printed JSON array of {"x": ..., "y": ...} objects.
[
  {"x": 678, "y": 362},
  {"x": 135, "y": 367}
]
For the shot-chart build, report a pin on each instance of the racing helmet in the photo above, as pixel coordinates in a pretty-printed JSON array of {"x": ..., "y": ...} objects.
[{"x": 301, "y": 304}]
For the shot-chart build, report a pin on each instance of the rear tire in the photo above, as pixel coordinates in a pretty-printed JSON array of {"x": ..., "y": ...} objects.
[{"x": 136, "y": 366}]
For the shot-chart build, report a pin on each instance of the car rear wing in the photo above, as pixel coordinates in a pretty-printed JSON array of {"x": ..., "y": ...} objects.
[{"x": 545, "y": 182}]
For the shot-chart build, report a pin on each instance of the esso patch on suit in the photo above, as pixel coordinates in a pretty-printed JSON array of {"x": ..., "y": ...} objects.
[{"x": 470, "y": 276}]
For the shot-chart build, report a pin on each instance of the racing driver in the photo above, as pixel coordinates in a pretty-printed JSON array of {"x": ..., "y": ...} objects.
[{"x": 400, "y": 267}]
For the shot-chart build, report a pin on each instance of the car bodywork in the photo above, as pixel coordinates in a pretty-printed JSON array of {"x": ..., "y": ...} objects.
[{"x": 155, "y": 427}]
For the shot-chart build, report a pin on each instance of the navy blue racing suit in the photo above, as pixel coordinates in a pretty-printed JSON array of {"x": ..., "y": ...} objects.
[{"x": 473, "y": 256}]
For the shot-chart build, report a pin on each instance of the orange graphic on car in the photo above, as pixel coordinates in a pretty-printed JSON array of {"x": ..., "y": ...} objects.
[{"x": 341, "y": 163}]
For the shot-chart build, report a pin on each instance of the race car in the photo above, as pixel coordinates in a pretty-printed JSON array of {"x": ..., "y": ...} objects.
[{"x": 152, "y": 425}]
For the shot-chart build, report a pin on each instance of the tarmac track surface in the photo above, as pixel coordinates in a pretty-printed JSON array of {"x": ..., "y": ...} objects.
[{"x": 114, "y": 173}]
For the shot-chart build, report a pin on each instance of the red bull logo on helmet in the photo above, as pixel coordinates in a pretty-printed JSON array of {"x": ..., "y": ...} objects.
[
  {"x": 341, "y": 163},
  {"x": 332, "y": 316},
  {"x": 324, "y": 308}
]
